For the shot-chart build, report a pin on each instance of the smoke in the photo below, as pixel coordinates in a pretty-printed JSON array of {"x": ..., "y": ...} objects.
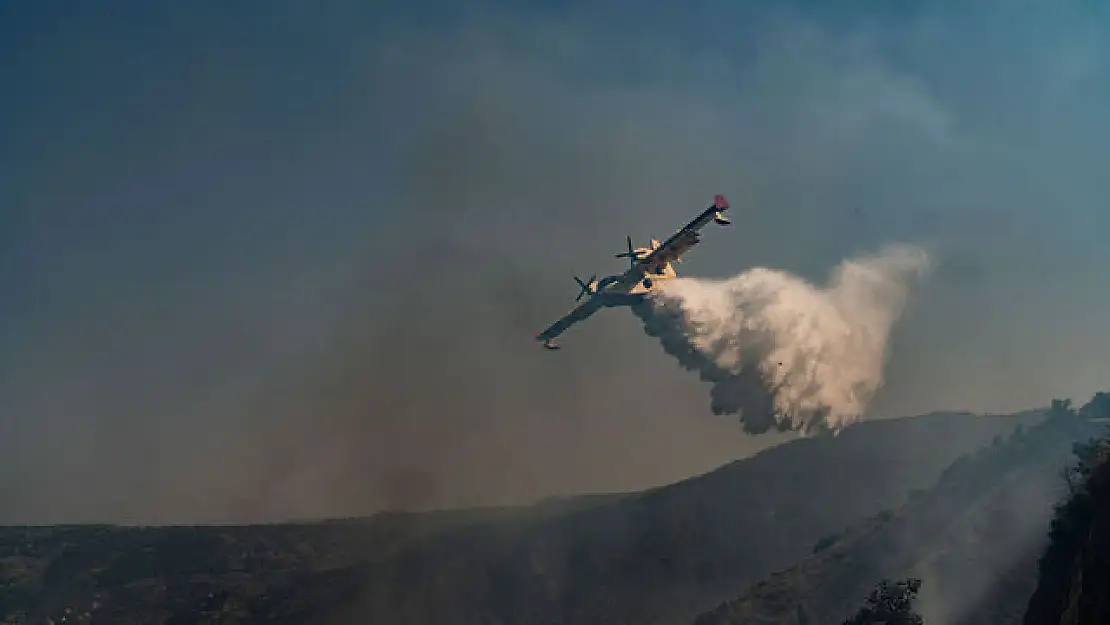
[
  {"x": 226, "y": 260},
  {"x": 780, "y": 351}
]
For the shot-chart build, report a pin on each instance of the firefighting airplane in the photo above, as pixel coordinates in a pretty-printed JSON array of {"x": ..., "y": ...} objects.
[{"x": 649, "y": 265}]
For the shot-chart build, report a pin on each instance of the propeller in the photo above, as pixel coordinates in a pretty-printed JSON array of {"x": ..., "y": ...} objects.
[
  {"x": 630, "y": 254},
  {"x": 585, "y": 286}
]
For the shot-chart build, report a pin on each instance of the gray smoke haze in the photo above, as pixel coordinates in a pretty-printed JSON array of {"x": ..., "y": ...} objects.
[
  {"x": 263, "y": 266},
  {"x": 782, "y": 352}
]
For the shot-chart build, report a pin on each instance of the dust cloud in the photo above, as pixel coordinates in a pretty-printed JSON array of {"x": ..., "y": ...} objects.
[{"x": 783, "y": 352}]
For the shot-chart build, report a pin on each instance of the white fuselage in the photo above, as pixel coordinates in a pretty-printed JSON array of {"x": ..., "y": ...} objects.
[{"x": 618, "y": 292}]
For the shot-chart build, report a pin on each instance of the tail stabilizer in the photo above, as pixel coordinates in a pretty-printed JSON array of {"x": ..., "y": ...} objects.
[{"x": 720, "y": 205}]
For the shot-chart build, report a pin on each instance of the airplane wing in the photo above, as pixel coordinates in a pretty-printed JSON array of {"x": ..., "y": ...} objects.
[
  {"x": 667, "y": 251},
  {"x": 584, "y": 310},
  {"x": 686, "y": 237}
]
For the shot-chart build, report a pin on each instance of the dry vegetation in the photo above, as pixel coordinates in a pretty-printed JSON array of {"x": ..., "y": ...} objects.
[{"x": 662, "y": 556}]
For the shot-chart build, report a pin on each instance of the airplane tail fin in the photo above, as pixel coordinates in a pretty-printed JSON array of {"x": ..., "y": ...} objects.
[{"x": 720, "y": 205}]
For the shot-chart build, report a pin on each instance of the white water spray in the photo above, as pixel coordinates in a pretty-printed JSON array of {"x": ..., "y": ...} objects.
[{"x": 780, "y": 351}]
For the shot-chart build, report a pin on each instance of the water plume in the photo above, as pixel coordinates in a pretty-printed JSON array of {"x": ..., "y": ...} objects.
[{"x": 782, "y": 352}]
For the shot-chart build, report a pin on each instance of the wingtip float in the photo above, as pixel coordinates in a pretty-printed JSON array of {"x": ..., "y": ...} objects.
[{"x": 648, "y": 266}]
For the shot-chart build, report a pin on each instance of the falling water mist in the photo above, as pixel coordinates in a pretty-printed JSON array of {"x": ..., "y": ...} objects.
[{"x": 784, "y": 353}]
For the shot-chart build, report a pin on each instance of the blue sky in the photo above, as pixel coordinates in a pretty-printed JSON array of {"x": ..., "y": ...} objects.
[{"x": 299, "y": 255}]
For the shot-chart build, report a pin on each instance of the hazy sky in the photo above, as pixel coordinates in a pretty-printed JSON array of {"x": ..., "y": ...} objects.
[{"x": 260, "y": 265}]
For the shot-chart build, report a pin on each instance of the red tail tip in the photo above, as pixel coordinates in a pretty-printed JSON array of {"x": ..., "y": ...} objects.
[{"x": 720, "y": 203}]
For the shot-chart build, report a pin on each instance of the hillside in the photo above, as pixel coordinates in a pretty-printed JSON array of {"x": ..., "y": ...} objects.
[
  {"x": 1073, "y": 587},
  {"x": 661, "y": 556},
  {"x": 973, "y": 540}
]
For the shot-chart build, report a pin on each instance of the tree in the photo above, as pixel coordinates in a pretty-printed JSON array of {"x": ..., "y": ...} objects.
[
  {"x": 891, "y": 603},
  {"x": 1097, "y": 408},
  {"x": 1061, "y": 408}
]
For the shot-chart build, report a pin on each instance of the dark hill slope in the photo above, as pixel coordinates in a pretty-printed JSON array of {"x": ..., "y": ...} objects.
[
  {"x": 664, "y": 555},
  {"x": 972, "y": 539},
  {"x": 1074, "y": 582},
  {"x": 660, "y": 556}
]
